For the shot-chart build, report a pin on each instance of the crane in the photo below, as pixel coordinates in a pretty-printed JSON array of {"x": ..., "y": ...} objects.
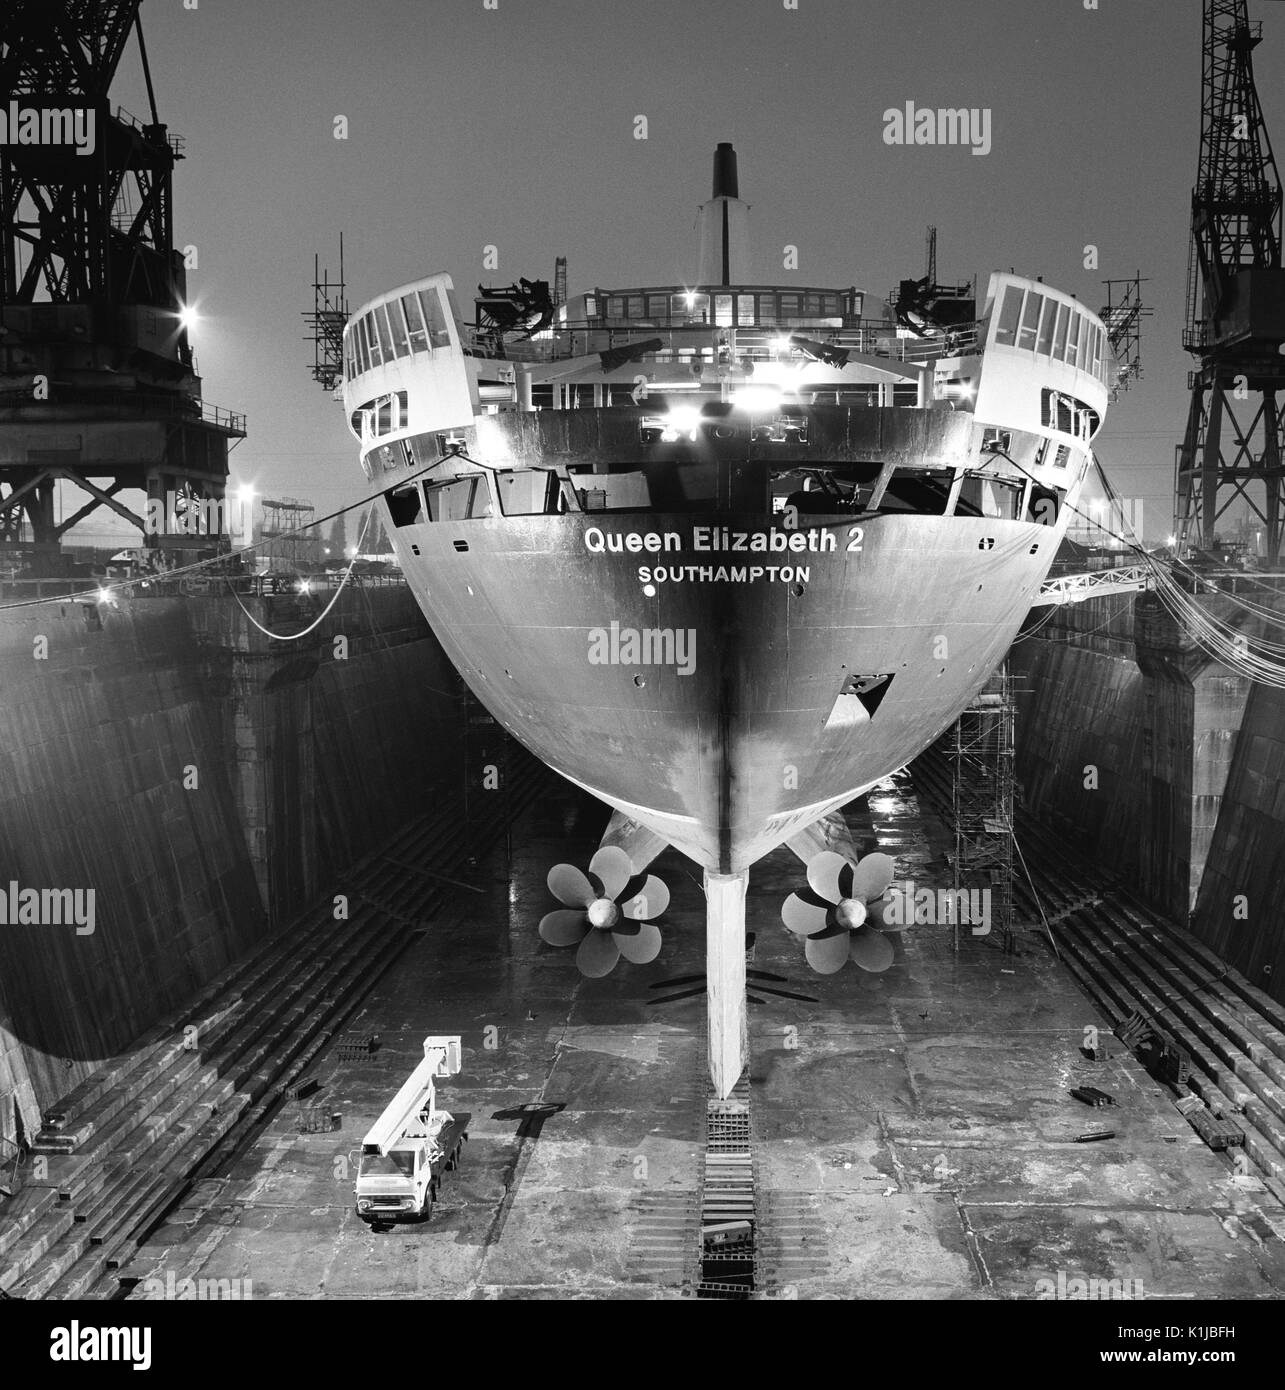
[{"x": 1235, "y": 298}]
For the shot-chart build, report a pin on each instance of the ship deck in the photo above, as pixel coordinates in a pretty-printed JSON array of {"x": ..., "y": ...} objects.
[{"x": 912, "y": 1134}]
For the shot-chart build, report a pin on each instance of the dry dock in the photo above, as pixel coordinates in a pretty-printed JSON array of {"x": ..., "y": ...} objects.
[{"x": 912, "y": 1135}]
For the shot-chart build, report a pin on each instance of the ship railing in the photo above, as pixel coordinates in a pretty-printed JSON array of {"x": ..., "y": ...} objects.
[{"x": 762, "y": 343}]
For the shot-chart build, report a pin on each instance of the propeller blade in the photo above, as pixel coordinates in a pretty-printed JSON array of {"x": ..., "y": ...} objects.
[
  {"x": 824, "y": 872},
  {"x": 651, "y": 900},
  {"x": 826, "y": 954},
  {"x": 871, "y": 950},
  {"x": 803, "y": 918},
  {"x": 613, "y": 868},
  {"x": 570, "y": 886},
  {"x": 872, "y": 876},
  {"x": 643, "y": 947},
  {"x": 597, "y": 954},
  {"x": 565, "y": 927}
]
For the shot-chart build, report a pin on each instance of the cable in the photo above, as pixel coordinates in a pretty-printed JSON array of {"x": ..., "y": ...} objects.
[
  {"x": 1255, "y": 657},
  {"x": 295, "y": 636}
]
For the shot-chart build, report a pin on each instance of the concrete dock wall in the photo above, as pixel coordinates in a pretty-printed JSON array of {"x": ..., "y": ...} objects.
[
  {"x": 1164, "y": 766},
  {"x": 204, "y": 782}
]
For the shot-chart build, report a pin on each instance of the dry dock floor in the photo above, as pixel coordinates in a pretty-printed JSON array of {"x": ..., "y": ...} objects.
[{"x": 913, "y": 1135}]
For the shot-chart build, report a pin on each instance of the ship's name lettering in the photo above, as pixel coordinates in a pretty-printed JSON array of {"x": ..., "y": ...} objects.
[
  {"x": 709, "y": 538},
  {"x": 617, "y": 542},
  {"x": 724, "y": 574}
]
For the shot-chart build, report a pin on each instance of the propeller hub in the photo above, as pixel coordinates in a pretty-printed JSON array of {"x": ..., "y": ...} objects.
[
  {"x": 850, "y": 913},
  {"x": 603, "y": 913}
]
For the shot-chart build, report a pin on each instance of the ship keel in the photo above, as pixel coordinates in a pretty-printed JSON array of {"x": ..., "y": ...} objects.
[{"x": 725, "y": 977}]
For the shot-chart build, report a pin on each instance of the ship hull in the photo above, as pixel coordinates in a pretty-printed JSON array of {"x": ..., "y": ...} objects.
[{"x": 708, "y": 701}]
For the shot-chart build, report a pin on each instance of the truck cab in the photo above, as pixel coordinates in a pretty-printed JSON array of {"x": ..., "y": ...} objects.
[{"x": 399, "y": 1183}]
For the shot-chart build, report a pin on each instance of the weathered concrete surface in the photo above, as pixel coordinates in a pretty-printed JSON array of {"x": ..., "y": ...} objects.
[
  {"x": 205, "y": 783},
  {"x": 1165, "y": 768},
  {"x": 913, "y": 1135},
  {"x": 1240, "y": 912}
]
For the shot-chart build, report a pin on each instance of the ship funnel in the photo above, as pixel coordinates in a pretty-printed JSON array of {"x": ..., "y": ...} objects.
[
  {"x": 725, "y": 172},
  {"x": 724, "y": 227}
]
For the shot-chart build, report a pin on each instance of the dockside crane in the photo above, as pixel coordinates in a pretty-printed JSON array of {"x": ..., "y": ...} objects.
[
  {"x": 98, "y": 383},
  {"x": 1235, "y": 323}
]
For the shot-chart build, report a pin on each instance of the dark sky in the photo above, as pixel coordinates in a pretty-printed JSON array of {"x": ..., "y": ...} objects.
[{"x": 515, "y": 126}]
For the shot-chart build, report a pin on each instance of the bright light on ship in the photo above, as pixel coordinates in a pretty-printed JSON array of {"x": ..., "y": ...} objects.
[
  {"x": 781, "y": 343},
  {"x": 681, "y": 419},
  {"x": 304, "y": 586},
  {"x": 104, "y": 594},
  {"x": 756, "y": 398}
]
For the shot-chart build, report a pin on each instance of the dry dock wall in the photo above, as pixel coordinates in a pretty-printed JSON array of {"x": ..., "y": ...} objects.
[
  {"x": 205, "y": 783},
  {"x": 1163, "y": 766}
]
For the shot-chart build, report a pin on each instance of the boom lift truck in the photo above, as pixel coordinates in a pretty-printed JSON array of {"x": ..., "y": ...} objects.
[{"x": 406, "y": 1150}]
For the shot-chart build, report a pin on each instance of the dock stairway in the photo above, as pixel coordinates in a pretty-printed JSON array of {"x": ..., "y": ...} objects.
[{"x": 121, "y": 1149}]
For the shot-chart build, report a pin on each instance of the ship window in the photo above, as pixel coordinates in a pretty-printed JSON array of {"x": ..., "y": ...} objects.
[
  {"x": 1073, "y": 341},
  {"x": 689, "y": 307},
  {"x": 789, "y": 306},
  {"x": 1059, "y": 338},
  {"x": 1030, "y": 320},
  {"x": 615, "y": 306},
  {"x": 1006, "y": 332},
  {"x": 372, "y": 342},
  {"x": 1086, "y": 329},
  {"x": 1047, "y": 319},
  {"x": 745, "y": 309},
  {"x": 634, "y": 306},
  {"x": 435, "y": 317},
  {"x": 657, "y": 307},
  {"x": 1098, "y": 345},
  {"x": 812, "y": 305},
  {"x": 398, "y": 326},
  {"x": 723, "y": 310},
  {"x": 415, "y": 323},
  {"x": 591, "y": 306},
  {"x": 383, "y": 333}
]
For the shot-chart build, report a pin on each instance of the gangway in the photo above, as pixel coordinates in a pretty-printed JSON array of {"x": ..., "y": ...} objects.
[{"x": 1075, "y": 588}]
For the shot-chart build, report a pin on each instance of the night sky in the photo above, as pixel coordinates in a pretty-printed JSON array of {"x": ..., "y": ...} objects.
[{"x": 515, "y": 126}]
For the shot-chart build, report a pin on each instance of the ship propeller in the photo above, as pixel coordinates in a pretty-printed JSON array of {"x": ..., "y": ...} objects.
[
  {"x": 840, "y": 914},
  {"x": 607, "y": 912}
]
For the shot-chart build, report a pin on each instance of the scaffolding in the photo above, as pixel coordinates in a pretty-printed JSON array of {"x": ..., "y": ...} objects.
[
  {"x": 1122, "y": 316},
  {"x": 979, "y": 754},
  {"x": 326, "y": 323}
]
